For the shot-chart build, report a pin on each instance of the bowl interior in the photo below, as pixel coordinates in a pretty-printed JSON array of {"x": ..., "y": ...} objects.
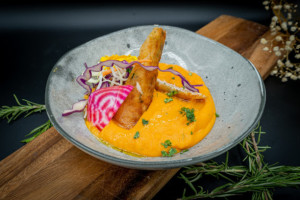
[{"x": 236, "y": 86}]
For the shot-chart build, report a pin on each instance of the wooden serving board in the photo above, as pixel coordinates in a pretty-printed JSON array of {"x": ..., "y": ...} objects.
[{"x": 50, "y": 167}]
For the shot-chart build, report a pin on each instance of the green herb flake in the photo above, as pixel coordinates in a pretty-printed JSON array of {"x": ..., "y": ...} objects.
[
  {"x": 129, "y": 70},
  {"x": 183, "y": 151},
  {"x": 167, "y": 143},
  {"x": 190, "y": 74},
  {"x": 132, "y": 75},
  {"x": 217, "y": 115},
  {"x": 170, "y": 68},
  {"x": 168, "y": 100},
  {"x": 172, "y": 93},
  {"x": 171, "y": 153},
  {"x": 137, "y": 135},
  {"x": 173, "y": 78},
  {"x": 191, "y": 132},
  {"x": 145, "y": 122},
  {"x": 164, "y": 154},
  {"x": 189, "y": 113}
]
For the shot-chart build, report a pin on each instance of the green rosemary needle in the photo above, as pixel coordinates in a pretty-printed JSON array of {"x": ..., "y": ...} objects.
[
  {"x": 38, "y": 131},
  {"x": 13, "y": 112},
  {"x": 256, "y": 177}
]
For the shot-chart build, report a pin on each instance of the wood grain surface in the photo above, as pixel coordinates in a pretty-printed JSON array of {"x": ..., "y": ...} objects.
[{"x": 50, "y": 167}]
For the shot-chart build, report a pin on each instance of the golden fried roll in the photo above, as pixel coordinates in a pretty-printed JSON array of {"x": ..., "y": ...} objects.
[
  {"x": 144, "y": 81},
  {"x": 181, "y": 93}
]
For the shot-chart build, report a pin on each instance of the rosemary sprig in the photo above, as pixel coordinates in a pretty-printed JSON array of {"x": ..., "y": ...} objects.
[
  {"x": 38, "y": 131},
  {"x": 13, "y": 112},
  {"x": 256, "y": 177}
]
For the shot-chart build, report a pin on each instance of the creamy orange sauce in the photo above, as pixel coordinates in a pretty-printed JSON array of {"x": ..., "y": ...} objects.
[{"x": 165, "y": 121}]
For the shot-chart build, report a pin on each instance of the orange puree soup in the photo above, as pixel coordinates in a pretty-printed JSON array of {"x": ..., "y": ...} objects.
[{"x": 165, "y": 121}]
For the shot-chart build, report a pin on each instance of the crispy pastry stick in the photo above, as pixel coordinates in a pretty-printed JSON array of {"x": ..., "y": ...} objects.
[
  {"x": 181, "y": 93},
  {"x": 144, "y": 81}
]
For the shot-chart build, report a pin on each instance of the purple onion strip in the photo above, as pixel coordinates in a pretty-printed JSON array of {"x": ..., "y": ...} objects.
[
  {"x": 87, "y": 74},
  {"x": 77, "y": 107}
]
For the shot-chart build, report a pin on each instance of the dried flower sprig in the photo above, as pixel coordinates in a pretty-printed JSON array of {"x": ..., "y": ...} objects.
[{"x": 285, "y": 43}]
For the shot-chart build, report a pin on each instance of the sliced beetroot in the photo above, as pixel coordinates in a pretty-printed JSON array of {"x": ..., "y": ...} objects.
[{"x": 104, "y": 103}]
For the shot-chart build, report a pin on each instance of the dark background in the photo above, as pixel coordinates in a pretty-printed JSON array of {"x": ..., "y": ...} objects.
[{"x": 33, "y": 36}]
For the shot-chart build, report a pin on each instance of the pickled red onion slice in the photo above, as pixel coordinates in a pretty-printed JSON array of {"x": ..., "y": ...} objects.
[
  {"x": 77, "y": 107},
  {"x": 104, "y": 103}
]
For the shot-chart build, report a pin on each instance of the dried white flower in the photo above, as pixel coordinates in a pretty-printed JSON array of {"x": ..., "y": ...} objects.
[
  {"x": 298, "y": 46},
  {"x": 274, "y": 18},
  {"x": 278, "y": 28},
  {"x": 265, "y": 49},
  {"x": 288, "y": 74},
  {"x": 273, "y": 33},
  {"x": 280, "y": 64},
  {"x": 277, "y": 7},
  {"x": 276, "y": 48},
  {"x": 292, "y": 37},
  {"x": 297, "y": 56},
  {"x": 293, "y": 77},
  {"x": 293, "y": 28},
  {"x": 265, "y": 3},
  {"x": 289, "y": 15},
  {"x": 273, "y": 72},
  {"x": 290, "y": 23},
  {"x": 284, "y": 26},
  {"x": 284, "y": 79},
  {"x": 278, "y": 53},
  {"x": 267, "y": 7},
  {"x": 288, "y": 64},
  {"x": 287, "y": 6},
  {"x": 288, "y": 48},
  {"x": 278, "y": 38},
  {"x": 263, "y": 41}
]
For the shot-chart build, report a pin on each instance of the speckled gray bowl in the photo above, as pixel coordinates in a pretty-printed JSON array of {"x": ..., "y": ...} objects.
[{"x": 234, "y": 83}]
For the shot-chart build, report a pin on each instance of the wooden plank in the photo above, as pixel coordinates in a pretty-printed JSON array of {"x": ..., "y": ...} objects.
[{"x": 50, "y": 167}]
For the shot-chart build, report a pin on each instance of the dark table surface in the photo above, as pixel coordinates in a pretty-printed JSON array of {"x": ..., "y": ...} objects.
[{"x": 34, "y": 36}]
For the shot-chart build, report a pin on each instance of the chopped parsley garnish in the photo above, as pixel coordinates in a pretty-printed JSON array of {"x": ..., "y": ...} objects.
[
  {"x": 190, "y": 74},
  {"x": 132, "y": 75},
  {"x": 183, "y": 151},
  {"x": 171, "y": 153},
  {"x": 167, "y": 143},
  {"x": 145, "y": 122},
  {"x": 170, "y": 68},
  {"x": 189, "y": 113},
  {"x": 217, "y": 115},
  {"x": 164, "y": 153},
  {"x": 173, "y": 77},
  {"x": 137, "y": 135},
  {"x": 172, "y": 93},
  {"x": 167, "y": 100},
  {"x": 129, "y": 70},
  {"x": 191, "y": 132}
]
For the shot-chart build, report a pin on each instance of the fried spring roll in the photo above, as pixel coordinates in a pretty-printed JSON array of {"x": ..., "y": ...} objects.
[{"x": 144, "y": 81}]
